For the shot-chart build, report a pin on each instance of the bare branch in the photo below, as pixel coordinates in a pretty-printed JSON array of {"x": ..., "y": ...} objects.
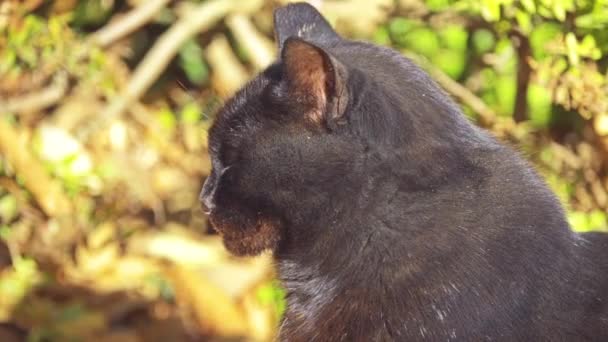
[
  {"x": 259, "y": 48},
  {"x": 522, "y": 45},
  {"x": 128, "y": 23},
  {"x": 39, "y": 100},
  {"x": 47, "y": 191},
  {"x": 160, "y": 55},
  {"x": 228, "y": 73}
]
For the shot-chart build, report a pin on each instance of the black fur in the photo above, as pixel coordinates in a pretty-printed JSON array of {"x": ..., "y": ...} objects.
[
  {"x": 390, "y": 216},
  {"x": 307, "y": 23}
]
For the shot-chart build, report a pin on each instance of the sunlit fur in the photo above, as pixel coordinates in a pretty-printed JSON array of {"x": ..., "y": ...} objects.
[{"x": 394, "y": 218}]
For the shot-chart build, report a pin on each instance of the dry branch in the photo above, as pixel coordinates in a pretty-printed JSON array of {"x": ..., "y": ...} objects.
[
  {"x": 215, "y": 311},
  {"x": 130, "y": 22},
  {"x": 47, "y": 191},
  {"x": 568, "y": 157},
  {"x": 38, "y": 100},
  {"x": 359, "y": 17},
  {"x": 259, "y": 48},
  {"x": 228, "y": 73},
  {"x": 522, "y": 44},
  {"x": 160, "y": 55}
]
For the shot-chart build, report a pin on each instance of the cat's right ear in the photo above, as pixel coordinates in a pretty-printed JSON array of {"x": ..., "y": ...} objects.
[
  {"x": 302, "y": 20},
  {"x": 316, "y": 80}
]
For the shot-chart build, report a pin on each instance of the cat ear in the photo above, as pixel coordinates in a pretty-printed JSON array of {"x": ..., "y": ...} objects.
[
  {"x": 304, "y": 21},
  {"x": 315, "y": 79}
]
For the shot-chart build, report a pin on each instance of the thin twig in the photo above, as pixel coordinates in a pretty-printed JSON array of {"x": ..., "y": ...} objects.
[
  {"x": 570, "y": 158},
  {"x": 213, "y": 308},
  {"x": 38, "y": 100},
  {"x": 6, "y": 9},
  {"x": 522, "y": 45},
  {"x": 160, "y": 55},
  {"x": 47, "y": 191},
  {"x": 128, "y": 23},
  {"x": 228, "y": 73},
  {"x": 259, "y": 48},
  {"x": 26, "y": 209}
]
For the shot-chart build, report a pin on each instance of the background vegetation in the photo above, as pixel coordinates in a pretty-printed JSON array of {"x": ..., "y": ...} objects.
[{"x": 104, "y": 106}]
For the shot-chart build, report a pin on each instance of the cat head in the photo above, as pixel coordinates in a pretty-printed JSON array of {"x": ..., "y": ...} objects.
[{"x": 290, "y": 144}]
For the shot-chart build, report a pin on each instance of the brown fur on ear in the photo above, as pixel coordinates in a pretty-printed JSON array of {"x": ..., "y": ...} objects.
[{"x": 315, "y": 79}]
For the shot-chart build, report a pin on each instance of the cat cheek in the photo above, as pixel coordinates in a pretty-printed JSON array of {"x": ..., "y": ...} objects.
[{"x": 244, "y": 236}]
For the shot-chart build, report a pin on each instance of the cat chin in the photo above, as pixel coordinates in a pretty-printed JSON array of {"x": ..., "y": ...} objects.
[{"x": 248, "y": 237}]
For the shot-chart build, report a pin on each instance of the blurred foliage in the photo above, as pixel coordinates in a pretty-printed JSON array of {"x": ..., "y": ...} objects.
[
  {"x": 101, "y": 237},
  {"x": 541, "y": 64}
]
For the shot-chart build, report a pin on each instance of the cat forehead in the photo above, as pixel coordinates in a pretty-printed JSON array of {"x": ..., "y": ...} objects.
[
  {"x": 244, "y": 101},
  {"x": 239, "y": 115}
]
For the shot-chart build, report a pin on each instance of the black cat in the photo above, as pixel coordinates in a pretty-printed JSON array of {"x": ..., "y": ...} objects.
[{"x": 390, "y": 216}]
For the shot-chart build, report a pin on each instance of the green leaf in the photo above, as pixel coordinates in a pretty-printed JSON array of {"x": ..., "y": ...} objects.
[
  {"x": 29, "y": 56},
  {"x": 92, "y": 12},
  {"x": 490, "y": 10},
  {"x": 559, "y": 11},
  {"x": 272, "y": 294},
  {"x": 529, "y": 6},
  {"x": 598, "y": 221},
  {"x": 8, "y": 60},
  {"x": 588, "y": 48},
  {"x": 452, "y": 62},
  {"x": 437, "y": 5},
  {"x": 594, "y": 221},
  {"x": 506, "y": 56},
  {"x": 55, "y": 28},
  {"x": 597, "y": 19},
  {"x": 25, "y": 267},
  {"x": 5, "y": 232},
  {"x": 572, "y": 47},
  {"x": 539, "y": 105},
  {"x": 382, "y": 36},
  {"x": 506, "y": 90},
  {"x": 454, "y": 37},
  {"x": 191, "y": 113},
  {"x": 523, "y": 20},
  {"x": 483, "y": 41},
  {"x": 541, "y": 35},
  {"x": 166, "y": 118},
  {"x": 398, "y": 29},
  {"x": 8, "y": 208},
  {"x": 32, "y": 25},
  {"x": 423, "y": 41},
  {"x": 578, "y": 221},
  {"x": 192, "y": 62}
]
